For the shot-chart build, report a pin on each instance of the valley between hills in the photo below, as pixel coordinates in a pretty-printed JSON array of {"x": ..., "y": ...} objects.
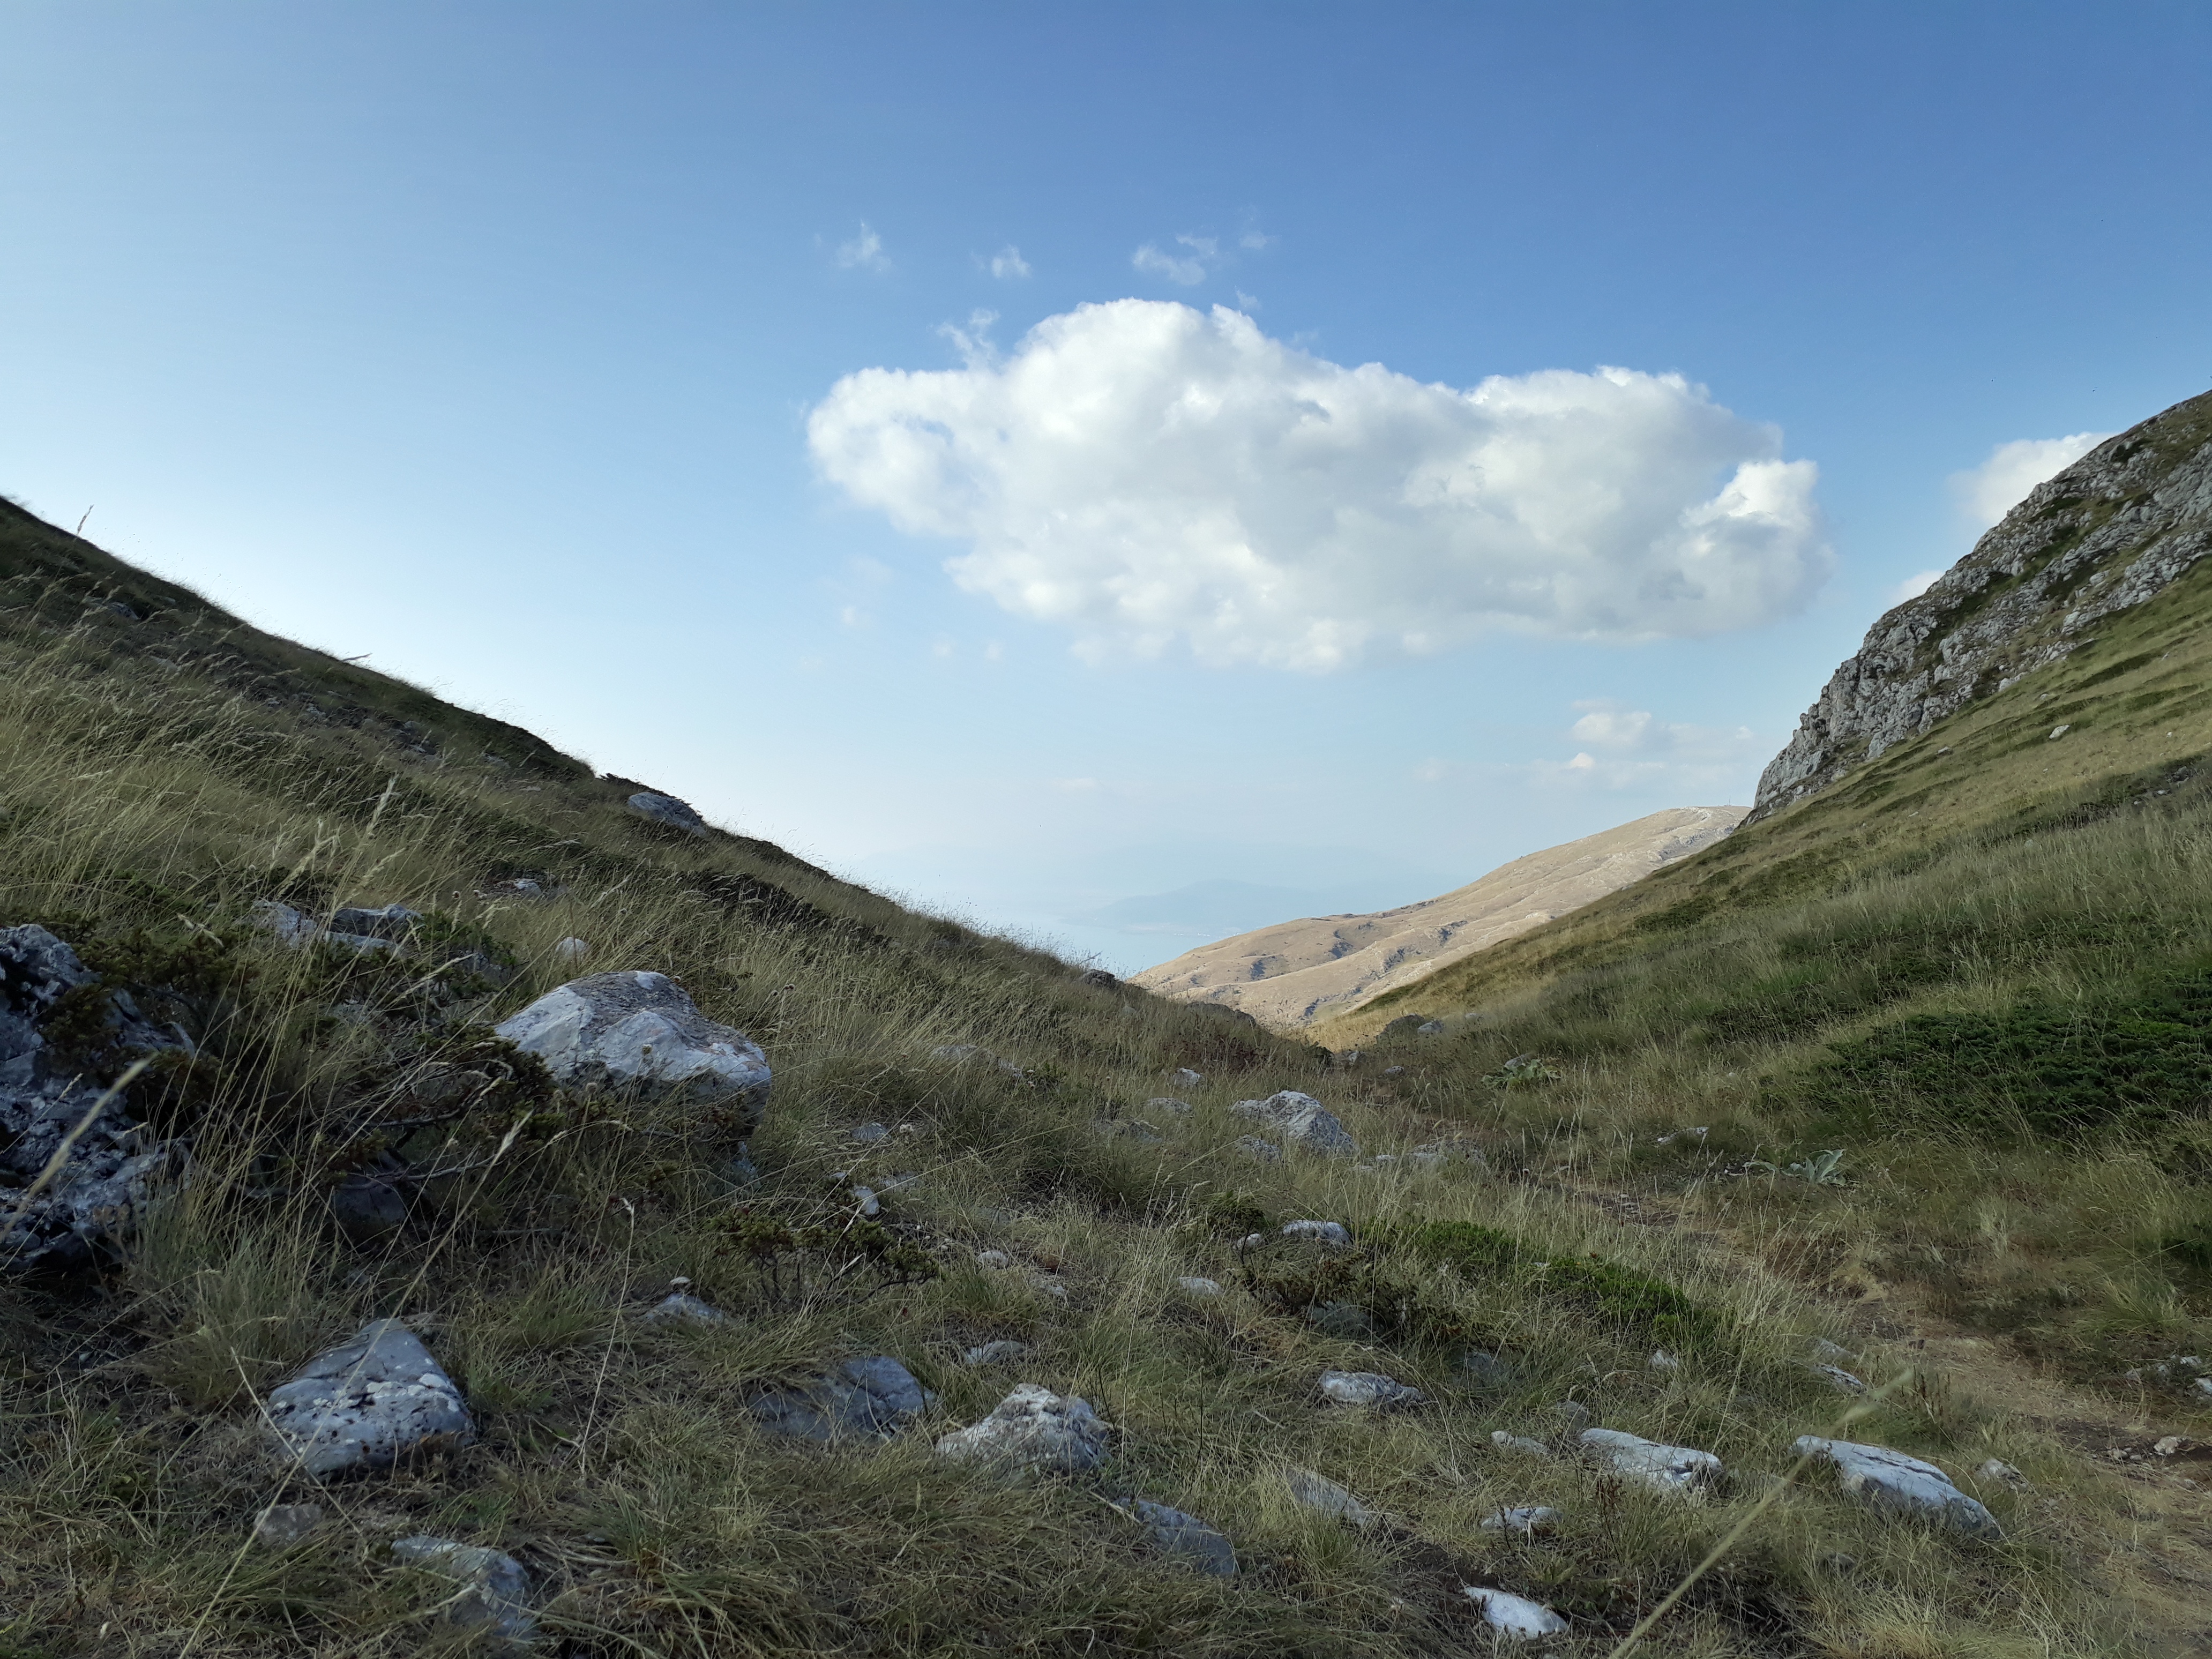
[{"x": 459, "y": 1201}]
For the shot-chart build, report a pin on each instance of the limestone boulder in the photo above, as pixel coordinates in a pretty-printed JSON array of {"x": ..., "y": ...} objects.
[
  {"x": 368, "y": 1404},
  {"x": 666, "y": 809},
  {"x": 1891, "y": 1480},
  {"x": 1678, "y": 1469},
  {"x": 641, "y": 1031},
  {"x": 1034, "y": 1428},
  {"x": 1303, "y": 1122}
]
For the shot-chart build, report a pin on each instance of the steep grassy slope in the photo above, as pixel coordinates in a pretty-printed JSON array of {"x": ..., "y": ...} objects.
[
  {"x": 1294, "y": 972},
  {"x": 166, "y": 768}
]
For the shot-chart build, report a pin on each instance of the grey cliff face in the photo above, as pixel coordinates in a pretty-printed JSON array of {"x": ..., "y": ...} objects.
[{"x": 2122, "y": 523}]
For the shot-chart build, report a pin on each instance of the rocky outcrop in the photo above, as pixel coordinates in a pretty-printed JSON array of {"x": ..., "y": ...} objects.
[
  {"x": 74, "y": 1172},
  {"x": 2113, "y": 529},
  {"x": 1296, "y": 972}
]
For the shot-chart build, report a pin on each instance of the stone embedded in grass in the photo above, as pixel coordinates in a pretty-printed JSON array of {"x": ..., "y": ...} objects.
[
  {"x": 1188, "y": 1539},
  {"x": 1518, "y": 1442},
  {"x": 368, "y": 1404},
  {"x": 1033, "y": 1428},
  {"x": 869, "y": 1134},
  {"x": 873, "y": 1395},
  {"x": 1529, "y": 1520},
  {"x": 1576, "y": 1414},
  {"x": 570, "y": 949},
  {"x": 367, "y": 1209},
  {"x": 1003, "y": 1351},
  {"x": 494, "y": 1600},
  {"x": 1191, "y": 1284},
  {"x": 1662, "y": 1468},
  {"x": 281, "y": 1525},
  {"x": 1347, "y": 1321},
  {"x": 666, "y": 809},
  {"x": 1514, "y": 1615},
  {"x": 1660, "y": 1360},
  {"x": 993, "y": 1261},
  {"x": 1430, "y": 1028},
  {"x": 1367, "y": 1389},
  {"x": 1168, "y": 1103},
  {"x": 1183, "y": 1078},
  {"x": 1487, "y": 1370},
  {"x": 1842, "y": 1381},
  {"x": 682, "y": 1308},
  {"x": 391, "y": 922},
  {"x": 1891, "y": 1480},
  {"x": 962, "y": 1054},
  {"x": 1303, "y": 1120},
  {"x": 1318, "y": 1492},
  {"x": 1332, "y": 1233},
  {"x": 1266, "y": 1150},
  {"x": 639, "y": 1030},
  {"x": 2004, "y": 1475}
]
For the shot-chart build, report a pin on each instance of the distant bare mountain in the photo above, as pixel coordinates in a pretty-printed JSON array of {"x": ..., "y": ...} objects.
[{"x": 1291, "y": 973}]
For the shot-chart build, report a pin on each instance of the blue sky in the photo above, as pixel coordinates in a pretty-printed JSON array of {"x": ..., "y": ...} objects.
[{"x": 512, "y": 344}]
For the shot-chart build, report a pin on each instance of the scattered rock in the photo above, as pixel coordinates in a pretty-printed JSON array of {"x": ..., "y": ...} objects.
[
  {"x": 1998, "y": 1470},
  {"x": 1430, "y": 1028},
  {"x": 1098, "y": 979},
  {"x": 639, "y": 1030},
  {"x": 1573, "y": 1412},
  {"x": 1253, "y": 1146},
  {"x": 1192, "y": 1285},
  {"x": 993, "y": 1261},
  {"x": 1347, "y": 1321},
  {"x": 1660, "y": 1360},
  {"x": 869, "y": 1134},
  {"x": 1889, "y": 1480},
  {"x": 1528, "y": 1521},
  {"x": 864, "y": 1199},
  {"x": 666, "y": 809},
  {"x": 291, "y": 927},
  {"x": 1514, "y": 1615},
  {"x": 1663, "y": 1468},
  {"x": 1187, "y": 1538},
  {"x": 1517, "y": 1443},
  {"x": 368, "y": 1404},
  {"x": 393, "y": 923},
  {"x": 367, "y": 1209},
  {"x": 570, "y": 949},
  {"x": 872, "y": 1395},
  {"x": 1303, "y": 1122},
  {"x": 1317, "y": 1491},
  {"x": 495, "y": 1595},
  {"x": 1367, "y": 1389},
  {"x": 1842, "y": 1381},
  {"x": 281, "y": 1525},
  {"x": 1320, "y": 1232},
  {"x": 1183, "y": 1078},
  {"x": 1489, "y": 1371},
  {"x": 1003, "y": 1351},
  {"x": 1168, "y": 1103},
  {"x": 1034, "y": 1428},
  {"x": 960, "y": 1053},
  {"x": 682, "y": 1308}
]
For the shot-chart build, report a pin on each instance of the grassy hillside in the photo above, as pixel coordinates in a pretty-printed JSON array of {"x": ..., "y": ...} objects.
[{"x": 166, "y": 768}]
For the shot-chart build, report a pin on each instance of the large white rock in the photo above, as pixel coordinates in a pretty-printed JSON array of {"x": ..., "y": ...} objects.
[
  {"x": 1034, "y": 1428},
  {"x": 1304, "y": 1122},
  {"x": 1664, "y": 1468},
  {"x": 1889, "y": 1480},
  {"x": 367, "y": 1403},
  {"x": 638, "y": 1030}
]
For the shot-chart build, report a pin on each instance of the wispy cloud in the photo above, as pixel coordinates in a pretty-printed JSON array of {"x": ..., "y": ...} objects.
[
  {"x": 1188, "y": 268},
  {"x": 1622, "y": 747},
  {"x": 864, "y": 252},
  {"x": 1007, "y": 264}
]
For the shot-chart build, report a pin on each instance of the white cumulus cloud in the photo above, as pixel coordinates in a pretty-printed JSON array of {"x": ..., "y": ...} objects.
[
  {"x": 1187, "y": 269},
  {"x": 1986, "y": 493},
  {"x": 864, "y": 252},
  {"x": 1007, "y": 262},
  {"x": 1152, "y": 476}
]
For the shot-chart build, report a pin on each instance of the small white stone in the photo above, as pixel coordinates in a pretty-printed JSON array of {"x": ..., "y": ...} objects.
[
  {"x": 1367, "y": 1389},
  {"x": 1517, "y": 1443},
  {"x": 1193, "y": 1286},
  {"x": 993, "y": 1261},
  {"x": 1529, "y": 1520},
  {"x": 1514, "y": 1615}
]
